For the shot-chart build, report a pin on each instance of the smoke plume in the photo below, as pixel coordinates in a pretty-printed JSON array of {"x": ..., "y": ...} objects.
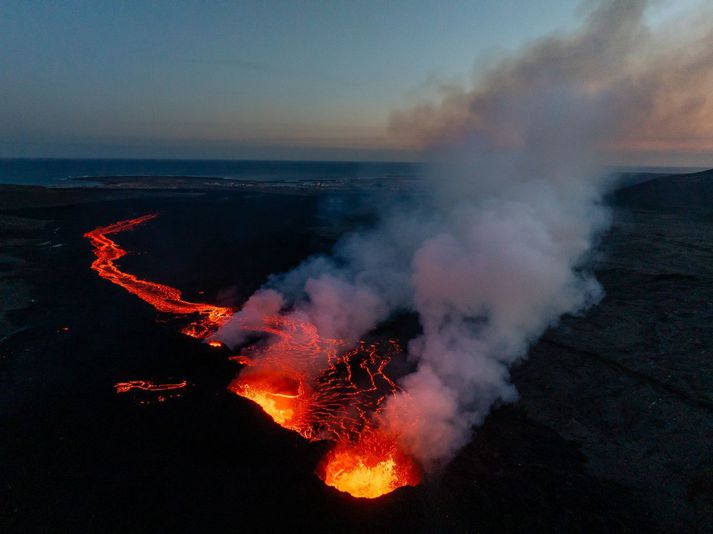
[{"x": 498, "y": 254}]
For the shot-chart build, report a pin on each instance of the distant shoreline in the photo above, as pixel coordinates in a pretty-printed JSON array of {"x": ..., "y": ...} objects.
[
  {"x": 641, "y": 189},
  {"x": 62, "y": 172}
]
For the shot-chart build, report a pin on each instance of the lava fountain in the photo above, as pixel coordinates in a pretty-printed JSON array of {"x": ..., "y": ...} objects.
[{"x": 321, "y": 388}]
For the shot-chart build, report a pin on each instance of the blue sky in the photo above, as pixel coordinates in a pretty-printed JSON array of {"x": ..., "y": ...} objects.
[{"x": 239, "y": 79}]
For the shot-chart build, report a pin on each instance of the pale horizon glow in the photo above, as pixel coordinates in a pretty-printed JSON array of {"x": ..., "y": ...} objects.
[{"x": 255, "y": 80}]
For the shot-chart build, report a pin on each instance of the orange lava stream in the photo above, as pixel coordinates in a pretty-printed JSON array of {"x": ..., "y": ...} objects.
[
  {"x": 147, "y": 385},
  {"x": 315, "y": 386},
  {"x": 163, "y": 298}
]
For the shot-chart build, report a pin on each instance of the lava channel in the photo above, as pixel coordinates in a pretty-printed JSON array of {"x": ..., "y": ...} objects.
[
  {"x": 147, "y": 385},
  {"x": 163, "y": 298}
]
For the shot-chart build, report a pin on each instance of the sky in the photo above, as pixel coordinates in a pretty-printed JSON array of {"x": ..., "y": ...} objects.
[{"x": 235, "y": 80}]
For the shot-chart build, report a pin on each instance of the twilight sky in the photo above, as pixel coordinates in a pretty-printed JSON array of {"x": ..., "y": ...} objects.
[{"x": 262, "y": 79}]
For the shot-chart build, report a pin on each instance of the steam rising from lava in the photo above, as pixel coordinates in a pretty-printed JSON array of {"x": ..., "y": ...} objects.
[
  {"x": 499, "y": 253},
  {"x": 494, "y": 257}
]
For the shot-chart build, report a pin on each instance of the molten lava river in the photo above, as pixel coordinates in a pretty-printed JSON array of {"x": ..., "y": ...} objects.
[{"x": 321, "y": 388}]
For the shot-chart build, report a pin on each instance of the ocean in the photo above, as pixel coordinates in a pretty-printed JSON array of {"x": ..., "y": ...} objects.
[{"x": 63, "y": 172}]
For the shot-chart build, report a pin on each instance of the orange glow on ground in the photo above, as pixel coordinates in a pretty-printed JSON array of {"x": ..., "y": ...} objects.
[{"x": 321, "y": 388}]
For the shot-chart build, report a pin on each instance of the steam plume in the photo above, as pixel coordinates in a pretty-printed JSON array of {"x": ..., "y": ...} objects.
[{"x": 500, "y": 252}]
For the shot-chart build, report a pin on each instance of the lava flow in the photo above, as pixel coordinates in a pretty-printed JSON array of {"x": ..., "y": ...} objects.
[
  {"x": 147, "y": 385},
  {"x": 163, "y": 298},
  {"x": 158, "y": 392},
  {"x": 318, "y": 387}
]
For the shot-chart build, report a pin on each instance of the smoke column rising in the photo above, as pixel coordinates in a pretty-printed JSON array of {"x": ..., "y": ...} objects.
[{"x": 498, "y": 255}]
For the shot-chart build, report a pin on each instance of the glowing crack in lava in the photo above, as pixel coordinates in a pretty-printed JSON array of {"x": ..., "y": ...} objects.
[{"x": 321, "y": 388}]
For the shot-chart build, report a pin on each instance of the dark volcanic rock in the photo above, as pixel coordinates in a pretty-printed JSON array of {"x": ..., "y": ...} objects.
[
  {"x": 692, "y": 192},
  {"x": 632, "y": 379}
]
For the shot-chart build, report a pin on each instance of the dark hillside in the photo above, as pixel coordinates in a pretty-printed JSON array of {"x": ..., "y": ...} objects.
[{"x": 676, "y": 192}]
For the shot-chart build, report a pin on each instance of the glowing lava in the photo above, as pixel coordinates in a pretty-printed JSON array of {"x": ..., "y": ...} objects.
[
  {"x": 369, "y": 468},
  {"x": 276, "y": 405},
  {"x": 312, "y": 386},
  {"x": 321, "y": 388},
  {"x": 147, "y": 385},
  {"x": 163, "y": 298}
]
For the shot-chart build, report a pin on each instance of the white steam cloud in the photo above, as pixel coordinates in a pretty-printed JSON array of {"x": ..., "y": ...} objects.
[{"x": 499, "y": 254}]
